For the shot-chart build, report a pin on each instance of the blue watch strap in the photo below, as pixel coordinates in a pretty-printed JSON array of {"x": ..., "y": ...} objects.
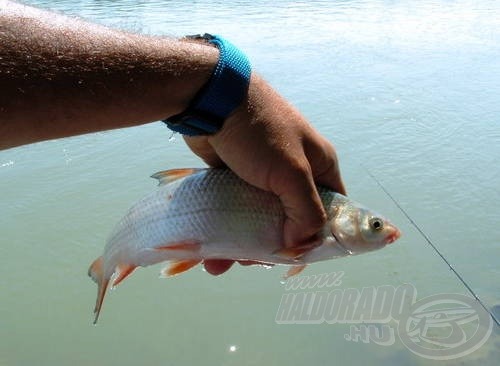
[{"x": 223, "y": 92}]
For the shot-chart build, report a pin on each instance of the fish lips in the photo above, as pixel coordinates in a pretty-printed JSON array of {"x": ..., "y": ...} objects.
[{"x": 394, "y": 235}]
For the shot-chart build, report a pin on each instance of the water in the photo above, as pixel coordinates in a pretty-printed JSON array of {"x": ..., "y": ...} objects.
[{"x": 407, "y": 89}]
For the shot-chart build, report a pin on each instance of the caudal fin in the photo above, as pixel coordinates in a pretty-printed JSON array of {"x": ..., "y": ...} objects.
[{"x": 97, "y": 274}]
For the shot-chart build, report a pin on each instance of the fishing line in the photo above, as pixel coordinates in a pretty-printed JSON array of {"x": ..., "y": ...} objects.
[{"x": 434, "y": 247}]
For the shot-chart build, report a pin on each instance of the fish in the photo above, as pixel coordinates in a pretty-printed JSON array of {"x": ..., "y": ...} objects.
[{"x": 201, "y": 214}]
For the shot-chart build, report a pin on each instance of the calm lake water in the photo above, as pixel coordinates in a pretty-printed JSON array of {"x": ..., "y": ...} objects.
[{"x": 406, "y": 89}]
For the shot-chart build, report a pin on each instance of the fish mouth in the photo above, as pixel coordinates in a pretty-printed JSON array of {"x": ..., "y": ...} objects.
[{"x": 393, "y": 236}]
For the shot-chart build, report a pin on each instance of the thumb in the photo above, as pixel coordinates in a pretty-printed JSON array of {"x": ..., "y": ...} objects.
[{"x": 201, "y": 147}]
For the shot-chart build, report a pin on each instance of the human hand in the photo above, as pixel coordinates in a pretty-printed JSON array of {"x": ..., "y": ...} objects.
[{"x": 269, "y": 144}]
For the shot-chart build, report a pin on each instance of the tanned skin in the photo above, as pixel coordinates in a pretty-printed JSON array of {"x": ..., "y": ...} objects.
[{"x": 61, "y": 76}]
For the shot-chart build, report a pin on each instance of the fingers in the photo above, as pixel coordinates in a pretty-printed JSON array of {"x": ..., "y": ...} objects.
[
  {"x": 201, "y": 147},
  {"x": 304, "y": 211},
  {"x": 331, "y": 178},
  {"x": 269, "y": 143},
  {"x": 217, "y": 266},
  {"x": 324, "y": 164}
]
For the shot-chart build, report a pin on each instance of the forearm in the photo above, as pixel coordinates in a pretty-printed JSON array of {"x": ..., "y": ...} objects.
[{"x": 61, "y": 76}]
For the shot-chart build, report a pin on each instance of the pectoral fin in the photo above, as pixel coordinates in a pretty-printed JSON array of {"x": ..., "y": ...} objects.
[
  {"x": 246, "y": 262},
  {"x": 294, "y": 253},
  {"x": 298, "y": 251},
  {"x": 123, "y": 271},
  {"x": 294, "y": 270}
]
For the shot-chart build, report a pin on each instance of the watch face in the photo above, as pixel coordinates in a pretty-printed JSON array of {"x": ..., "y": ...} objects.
[
  {"x": 206, "y": 37},
  {"x": 179, "y": 119}
]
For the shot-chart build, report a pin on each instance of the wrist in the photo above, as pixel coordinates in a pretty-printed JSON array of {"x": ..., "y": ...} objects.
[
  {"x": 219, "y": 96},
  {"x": 199, "y": 59}
]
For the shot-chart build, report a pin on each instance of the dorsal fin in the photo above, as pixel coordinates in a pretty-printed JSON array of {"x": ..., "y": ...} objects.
[{"x": 171, "y": 175}]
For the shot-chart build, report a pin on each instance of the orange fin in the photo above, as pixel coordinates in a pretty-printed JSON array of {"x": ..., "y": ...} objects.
[
  {"x": 298, "y": 251},
  {"x": 247, "y": 262},
  {"x": 97, "y": 274},
  {"x": 294, "y": 270},
  {"x": 169, "y": 176},
  {"x": 179, "y": 266},
  {"x": 188, "y": 245},
  {"x": 293, "y": 253},
  {"x": 123, "y": 271}
]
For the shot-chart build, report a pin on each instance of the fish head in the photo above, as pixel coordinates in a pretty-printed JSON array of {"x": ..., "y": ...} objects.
[{"x": 358, "y": 229}]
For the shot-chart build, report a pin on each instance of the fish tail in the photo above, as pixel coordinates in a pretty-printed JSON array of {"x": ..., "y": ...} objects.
[{"x": 96, "y": 272}]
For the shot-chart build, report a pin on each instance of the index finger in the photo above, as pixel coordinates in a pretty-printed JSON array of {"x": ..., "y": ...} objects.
[{"x": 324, "y": 164}]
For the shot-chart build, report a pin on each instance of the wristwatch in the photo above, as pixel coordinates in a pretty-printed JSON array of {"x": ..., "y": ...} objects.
[{"x": 223, "y": 92}]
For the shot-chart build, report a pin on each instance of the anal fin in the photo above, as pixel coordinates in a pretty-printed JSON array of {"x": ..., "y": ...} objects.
[{"x": 124, "y": 270}]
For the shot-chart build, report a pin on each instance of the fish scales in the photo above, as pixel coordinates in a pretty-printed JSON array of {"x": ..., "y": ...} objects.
[
  {"x": 216, "y": 208},
  {"x": 201, "y": 214}
]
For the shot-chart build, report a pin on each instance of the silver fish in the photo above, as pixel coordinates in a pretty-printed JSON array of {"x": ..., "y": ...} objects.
[{"x": 201, "y": 214}]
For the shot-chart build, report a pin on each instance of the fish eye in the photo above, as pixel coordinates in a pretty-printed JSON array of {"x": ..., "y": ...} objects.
[{"x": 376, "y": 224}]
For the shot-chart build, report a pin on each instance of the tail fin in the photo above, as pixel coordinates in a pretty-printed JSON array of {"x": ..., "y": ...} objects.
[{"x": 97, "y": 275}]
